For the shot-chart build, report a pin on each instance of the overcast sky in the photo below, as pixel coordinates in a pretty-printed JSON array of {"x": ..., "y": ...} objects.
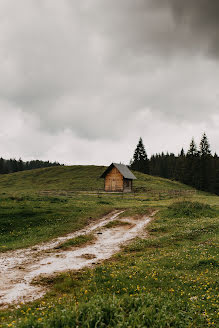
[{"x": 81, "y": 81}]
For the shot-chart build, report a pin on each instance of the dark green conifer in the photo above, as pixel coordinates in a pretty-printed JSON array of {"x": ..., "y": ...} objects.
[
  {"x": 205, "y": 163},
  {"x": 205, "y": 150},
  {"x": 140, "y": 160},
  {"x": 193, "y": 151}
]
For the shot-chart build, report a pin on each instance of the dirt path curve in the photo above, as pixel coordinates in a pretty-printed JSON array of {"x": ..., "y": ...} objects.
[{"x": 19, "y": 268}]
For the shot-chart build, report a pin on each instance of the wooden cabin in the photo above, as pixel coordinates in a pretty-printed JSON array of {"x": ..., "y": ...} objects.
[{"x": 118, "y": 177}]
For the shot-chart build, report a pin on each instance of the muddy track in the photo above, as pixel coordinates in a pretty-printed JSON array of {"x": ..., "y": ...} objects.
[{"x": 19, "y": 268}]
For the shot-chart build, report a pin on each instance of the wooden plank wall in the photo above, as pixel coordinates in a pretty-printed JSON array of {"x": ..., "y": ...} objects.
[{"x": 114, "y": 180}]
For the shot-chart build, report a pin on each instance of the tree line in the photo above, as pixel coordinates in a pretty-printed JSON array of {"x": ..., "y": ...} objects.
[
  {"x": 197, "y": 167},
  {"x": 13, "y": 165}
]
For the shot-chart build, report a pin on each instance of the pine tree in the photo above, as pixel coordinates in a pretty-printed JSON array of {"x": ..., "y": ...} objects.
[
  {"x": 205, "y": 147},
  {"x": 20, "y": 165},
  {"x": 216, "y": 185},
  {"x": 205, "y": 163},
  {"x": 182, "y": 153},
  {"x": 193, "y": 151},
  {"x": 140, "y": 160},
  {"x": 12, "y": 165},
  {"x": 181, "y": 167},
  {"x": 192, "y": 165},
  {"x": 1, "y": 165}
]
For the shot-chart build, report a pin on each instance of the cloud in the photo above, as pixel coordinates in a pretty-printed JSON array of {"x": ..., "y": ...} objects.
[
  {"x": 200, "y": 18},
  {"x": 167, "y": 26},
  {"x": 99, "y": 72}
]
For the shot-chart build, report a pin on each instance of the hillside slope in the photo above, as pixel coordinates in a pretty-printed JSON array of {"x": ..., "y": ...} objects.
[
  {"x": 81, "y": 178},
  {"x": 41, "y": 204},
  {"x": 166, "y": 279}
]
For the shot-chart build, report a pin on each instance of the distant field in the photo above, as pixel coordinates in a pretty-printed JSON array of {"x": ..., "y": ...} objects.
[{"x": 74, "y": 178}]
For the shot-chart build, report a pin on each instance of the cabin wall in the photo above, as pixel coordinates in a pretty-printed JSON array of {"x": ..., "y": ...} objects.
[{"x": 114, "y": 180}]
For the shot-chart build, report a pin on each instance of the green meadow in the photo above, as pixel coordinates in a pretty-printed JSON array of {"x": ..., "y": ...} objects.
[
  {"x": 41, "y": 204},
  {"x": 73, "y": 178},
  {"x": 167, "y": 279}
]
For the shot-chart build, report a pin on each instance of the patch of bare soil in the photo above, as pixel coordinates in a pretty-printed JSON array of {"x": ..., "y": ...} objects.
[{"x": 19, "y": 268}]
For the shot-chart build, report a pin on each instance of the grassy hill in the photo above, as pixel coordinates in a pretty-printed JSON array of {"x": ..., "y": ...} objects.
[
  {"x": 168, "y": 279},
  {"x": 32, "y": 203},
  {"x": 75, "y": 178}
]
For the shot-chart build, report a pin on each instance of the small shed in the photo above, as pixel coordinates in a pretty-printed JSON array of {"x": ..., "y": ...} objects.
[{"x": 118, "y": 177}]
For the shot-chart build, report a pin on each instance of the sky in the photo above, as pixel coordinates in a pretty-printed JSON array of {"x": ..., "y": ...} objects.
[{"x": 81, "y": 81}]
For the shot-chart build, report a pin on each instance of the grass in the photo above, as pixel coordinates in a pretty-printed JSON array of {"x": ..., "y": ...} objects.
[
  {"x": 28, "y": 216},
  {"x": 74, "y": 178},
  {"x": 77, "y": 241},
  {"x": 54, "y": 178},
  {"x": 190, "y": 210},
  {"x": 30, "y": 220},
  {"x": 116, "y": 223},
  {"x": 166, "y": 280}
]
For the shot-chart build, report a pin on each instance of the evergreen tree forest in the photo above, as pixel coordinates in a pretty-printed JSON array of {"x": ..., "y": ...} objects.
[
  {"x": 13, "y": 165},
  {"x": 197, "y": 168}
]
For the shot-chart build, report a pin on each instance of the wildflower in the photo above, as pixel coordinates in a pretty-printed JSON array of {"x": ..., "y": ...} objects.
[{"x": 171, "y": 290}]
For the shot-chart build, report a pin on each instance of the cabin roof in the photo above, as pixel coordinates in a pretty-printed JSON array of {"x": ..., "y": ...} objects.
[{"x": 123, "y": 169}]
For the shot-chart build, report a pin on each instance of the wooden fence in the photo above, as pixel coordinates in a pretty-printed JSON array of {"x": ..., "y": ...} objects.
[{"x": 137, "y": 192}]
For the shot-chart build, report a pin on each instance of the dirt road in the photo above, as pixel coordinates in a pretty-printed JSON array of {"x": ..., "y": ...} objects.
[{"x": 19, "y": 268}]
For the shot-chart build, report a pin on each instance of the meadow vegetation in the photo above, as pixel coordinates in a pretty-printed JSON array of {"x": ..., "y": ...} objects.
[
  {"x": 74, "y": 178},
  {"x": 116, "y": 223},
  {"x": 168, "y": 279},
  {"x": 42, "y": 204},
  {"x": 29, "y": 220},
  {"x": 77, "y": 241}
]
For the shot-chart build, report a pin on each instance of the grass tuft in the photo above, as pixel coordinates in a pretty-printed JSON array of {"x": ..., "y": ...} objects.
[
  {"x": 77, "y": 241},
  {"x": 116, "y": 223}
]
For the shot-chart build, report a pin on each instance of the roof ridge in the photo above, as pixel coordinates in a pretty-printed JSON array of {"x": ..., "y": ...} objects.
[{"x": 122, "y": 168}]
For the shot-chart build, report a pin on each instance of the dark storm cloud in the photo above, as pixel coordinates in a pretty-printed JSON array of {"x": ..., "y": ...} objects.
[
  {"x": 200, "y": 18},
  {"x": 168, "y": 27}
]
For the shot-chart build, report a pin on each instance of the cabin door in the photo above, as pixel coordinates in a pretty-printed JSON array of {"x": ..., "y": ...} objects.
[{"x": 113, "y": 185}]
